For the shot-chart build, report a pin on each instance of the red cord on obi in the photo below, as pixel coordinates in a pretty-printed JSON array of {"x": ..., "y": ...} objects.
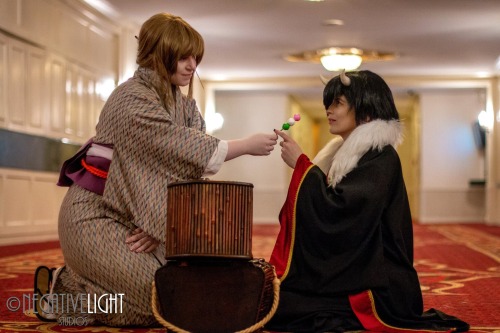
[{"x": 93, "y": 170}]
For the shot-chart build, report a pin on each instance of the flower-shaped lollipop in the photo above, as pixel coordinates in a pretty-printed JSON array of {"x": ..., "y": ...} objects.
[{"x": 291, "y": 121}]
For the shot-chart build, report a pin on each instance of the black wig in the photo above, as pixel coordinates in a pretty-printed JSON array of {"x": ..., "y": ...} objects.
[{"x": 367, "y": 94}]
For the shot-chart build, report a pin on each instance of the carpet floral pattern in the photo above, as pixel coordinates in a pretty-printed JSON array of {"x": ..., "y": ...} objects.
[{"x": 458, "y": 267}]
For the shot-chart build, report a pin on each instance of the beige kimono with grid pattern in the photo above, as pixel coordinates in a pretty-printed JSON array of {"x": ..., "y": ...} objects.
[{"x": 152, "y": 147}]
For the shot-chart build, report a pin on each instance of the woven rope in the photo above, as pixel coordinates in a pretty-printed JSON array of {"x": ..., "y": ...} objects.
[{"x": 259, "y": 325}]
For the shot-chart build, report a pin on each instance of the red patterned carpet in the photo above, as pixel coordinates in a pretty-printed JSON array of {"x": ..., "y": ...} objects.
[{"x": 458, "y": 267}]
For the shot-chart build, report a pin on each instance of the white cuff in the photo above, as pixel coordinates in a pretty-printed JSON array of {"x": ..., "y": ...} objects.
[{"x": 217, "y": 159}]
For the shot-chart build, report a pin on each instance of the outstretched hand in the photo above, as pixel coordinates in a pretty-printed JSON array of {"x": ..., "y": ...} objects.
[
  {"x": 138, "y": 241},
  {"x": 290, "y": 150},
  {"x": 261, "y": 144}
]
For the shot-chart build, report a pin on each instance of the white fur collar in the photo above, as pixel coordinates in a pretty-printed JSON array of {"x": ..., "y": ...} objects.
[{"x": 338, "y": 158}]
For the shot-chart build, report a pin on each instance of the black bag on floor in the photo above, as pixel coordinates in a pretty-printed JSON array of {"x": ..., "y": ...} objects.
[{"x": 215, "y": 295}]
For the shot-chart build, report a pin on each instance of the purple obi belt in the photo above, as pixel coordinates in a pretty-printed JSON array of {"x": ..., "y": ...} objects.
[{"x": 88, "y": 168}]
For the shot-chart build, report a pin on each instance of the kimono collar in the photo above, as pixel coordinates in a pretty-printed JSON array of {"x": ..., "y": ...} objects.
[
  {"x": 339, "y": 157},
  {"x": 151, "y": 78},
  {"x": 147, "y": 75}
]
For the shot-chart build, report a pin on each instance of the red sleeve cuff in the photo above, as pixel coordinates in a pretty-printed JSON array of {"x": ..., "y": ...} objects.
[{"x": 303, "y": 163}]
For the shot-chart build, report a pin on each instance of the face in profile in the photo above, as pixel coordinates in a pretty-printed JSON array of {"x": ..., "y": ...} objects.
[
  {"x": 185, "y": 70},
  {"x": 341, "y": 117}
]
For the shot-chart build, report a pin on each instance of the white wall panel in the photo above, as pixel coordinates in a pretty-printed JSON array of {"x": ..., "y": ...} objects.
[
  {"x": 57, "y": 74},
  {"x": 29, "y": 206},
  {"x": 71, "y": 109},
  {"x": 452, "y": 206},
  {"x": 17, "y": 82},
  {"x": 46, "y": 199},
  {"x": 89, "y": 105},
  {"x": 104, "y": 49},
  {"x": 9, "y": 18},
  {"x": 81, "y": 124},
  {"x": 17, "y": 203},
  {"x": 3, "y": 80},
  {"x": 35, "y": 18},
  {"x": 92, "y": 111},
  {"x": 73, "y": 37},
  {"x": 36, "y": 88}
]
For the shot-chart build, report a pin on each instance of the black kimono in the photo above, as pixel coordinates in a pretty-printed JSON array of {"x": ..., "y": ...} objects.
[{"x": 344, "y": 253}]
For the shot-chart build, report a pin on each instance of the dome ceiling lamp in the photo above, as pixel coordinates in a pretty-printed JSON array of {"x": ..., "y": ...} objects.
[{"x": 339, "y": 58}]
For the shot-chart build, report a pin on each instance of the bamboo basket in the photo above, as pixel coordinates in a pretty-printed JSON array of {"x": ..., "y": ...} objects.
[{"x": 209, "y": 219}]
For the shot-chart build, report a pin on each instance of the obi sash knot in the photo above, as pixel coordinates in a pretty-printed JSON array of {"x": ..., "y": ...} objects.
[{"x": 87, "y": 170}]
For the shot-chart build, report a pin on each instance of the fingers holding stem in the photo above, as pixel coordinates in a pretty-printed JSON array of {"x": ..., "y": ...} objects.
[{"x": 290, "y": 150}]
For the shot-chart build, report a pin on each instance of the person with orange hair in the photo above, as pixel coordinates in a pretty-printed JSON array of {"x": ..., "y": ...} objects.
[{"x": 112, "y": 221}]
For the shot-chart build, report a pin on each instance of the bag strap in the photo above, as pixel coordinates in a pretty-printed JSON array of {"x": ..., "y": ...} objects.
[{"x": 256, "y": 326}]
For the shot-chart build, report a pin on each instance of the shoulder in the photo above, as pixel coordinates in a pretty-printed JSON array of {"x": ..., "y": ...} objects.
[
  {"x": 382, "y": 165},
  {"x": 375, "y": 173},
  {"x": 133, "y": 97},
  {"x": 137, "y": 89},
  {"x": 386, "y": 154}
]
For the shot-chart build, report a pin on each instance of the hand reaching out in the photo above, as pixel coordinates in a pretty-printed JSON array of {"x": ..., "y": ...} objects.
[
  {"x": 138, "y": 241},
  {"x": 290, "y": 150},
  {"x": 261, "y": 144}
]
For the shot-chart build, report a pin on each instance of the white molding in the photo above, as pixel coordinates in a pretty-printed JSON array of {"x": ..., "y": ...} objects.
[
  {"x": 25, "y": 239},
  {"x": 33, "y": 214},
  {"x": 452, "y": 205}
]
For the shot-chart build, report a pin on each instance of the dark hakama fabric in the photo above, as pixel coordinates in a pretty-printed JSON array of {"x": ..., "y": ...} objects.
[{"x": 344, "y": 254}]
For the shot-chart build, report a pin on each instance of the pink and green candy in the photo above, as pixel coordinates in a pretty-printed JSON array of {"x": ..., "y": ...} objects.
[{"x": 291, "y": 121}]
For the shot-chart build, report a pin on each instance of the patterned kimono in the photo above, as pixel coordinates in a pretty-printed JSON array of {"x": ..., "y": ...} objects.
[
  {"x": 344, "y": 253},
  {"x": 152, "y": 146}
]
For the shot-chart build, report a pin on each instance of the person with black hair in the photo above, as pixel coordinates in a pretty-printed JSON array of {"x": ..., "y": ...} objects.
[{"x": 344, "y": 253}]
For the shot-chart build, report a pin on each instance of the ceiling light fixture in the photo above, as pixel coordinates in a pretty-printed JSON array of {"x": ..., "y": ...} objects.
[
  {"x": 333, "y": 22},
  {"x": 335, "y": 59},
  {"x": 339, "y": 58}
]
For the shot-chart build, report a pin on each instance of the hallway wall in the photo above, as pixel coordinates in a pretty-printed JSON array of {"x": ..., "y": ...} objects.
[
  {"x": 57, "y": 66},
  {"x": 450, "y": 159},
  {"x": 246, "y": 113}
]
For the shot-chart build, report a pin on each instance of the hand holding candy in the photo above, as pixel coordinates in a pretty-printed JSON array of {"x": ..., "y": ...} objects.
[
  {"x": 290, "y": 150},
  {"x": 290, "y": 122}
]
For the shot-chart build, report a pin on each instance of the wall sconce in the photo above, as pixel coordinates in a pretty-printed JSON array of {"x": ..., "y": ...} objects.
[
  {"x": 485, "y": 120},
  {"x": 339, "y": 58},
  {"x": 104, "y": 88},
  {"x": 214, "y": 122},
  {"x": 481, "y": 127}
]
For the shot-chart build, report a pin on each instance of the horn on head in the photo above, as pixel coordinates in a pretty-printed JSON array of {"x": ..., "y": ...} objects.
[
  {"x": 323, "y": 79},
  {"x": 346, "y": 81}
]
